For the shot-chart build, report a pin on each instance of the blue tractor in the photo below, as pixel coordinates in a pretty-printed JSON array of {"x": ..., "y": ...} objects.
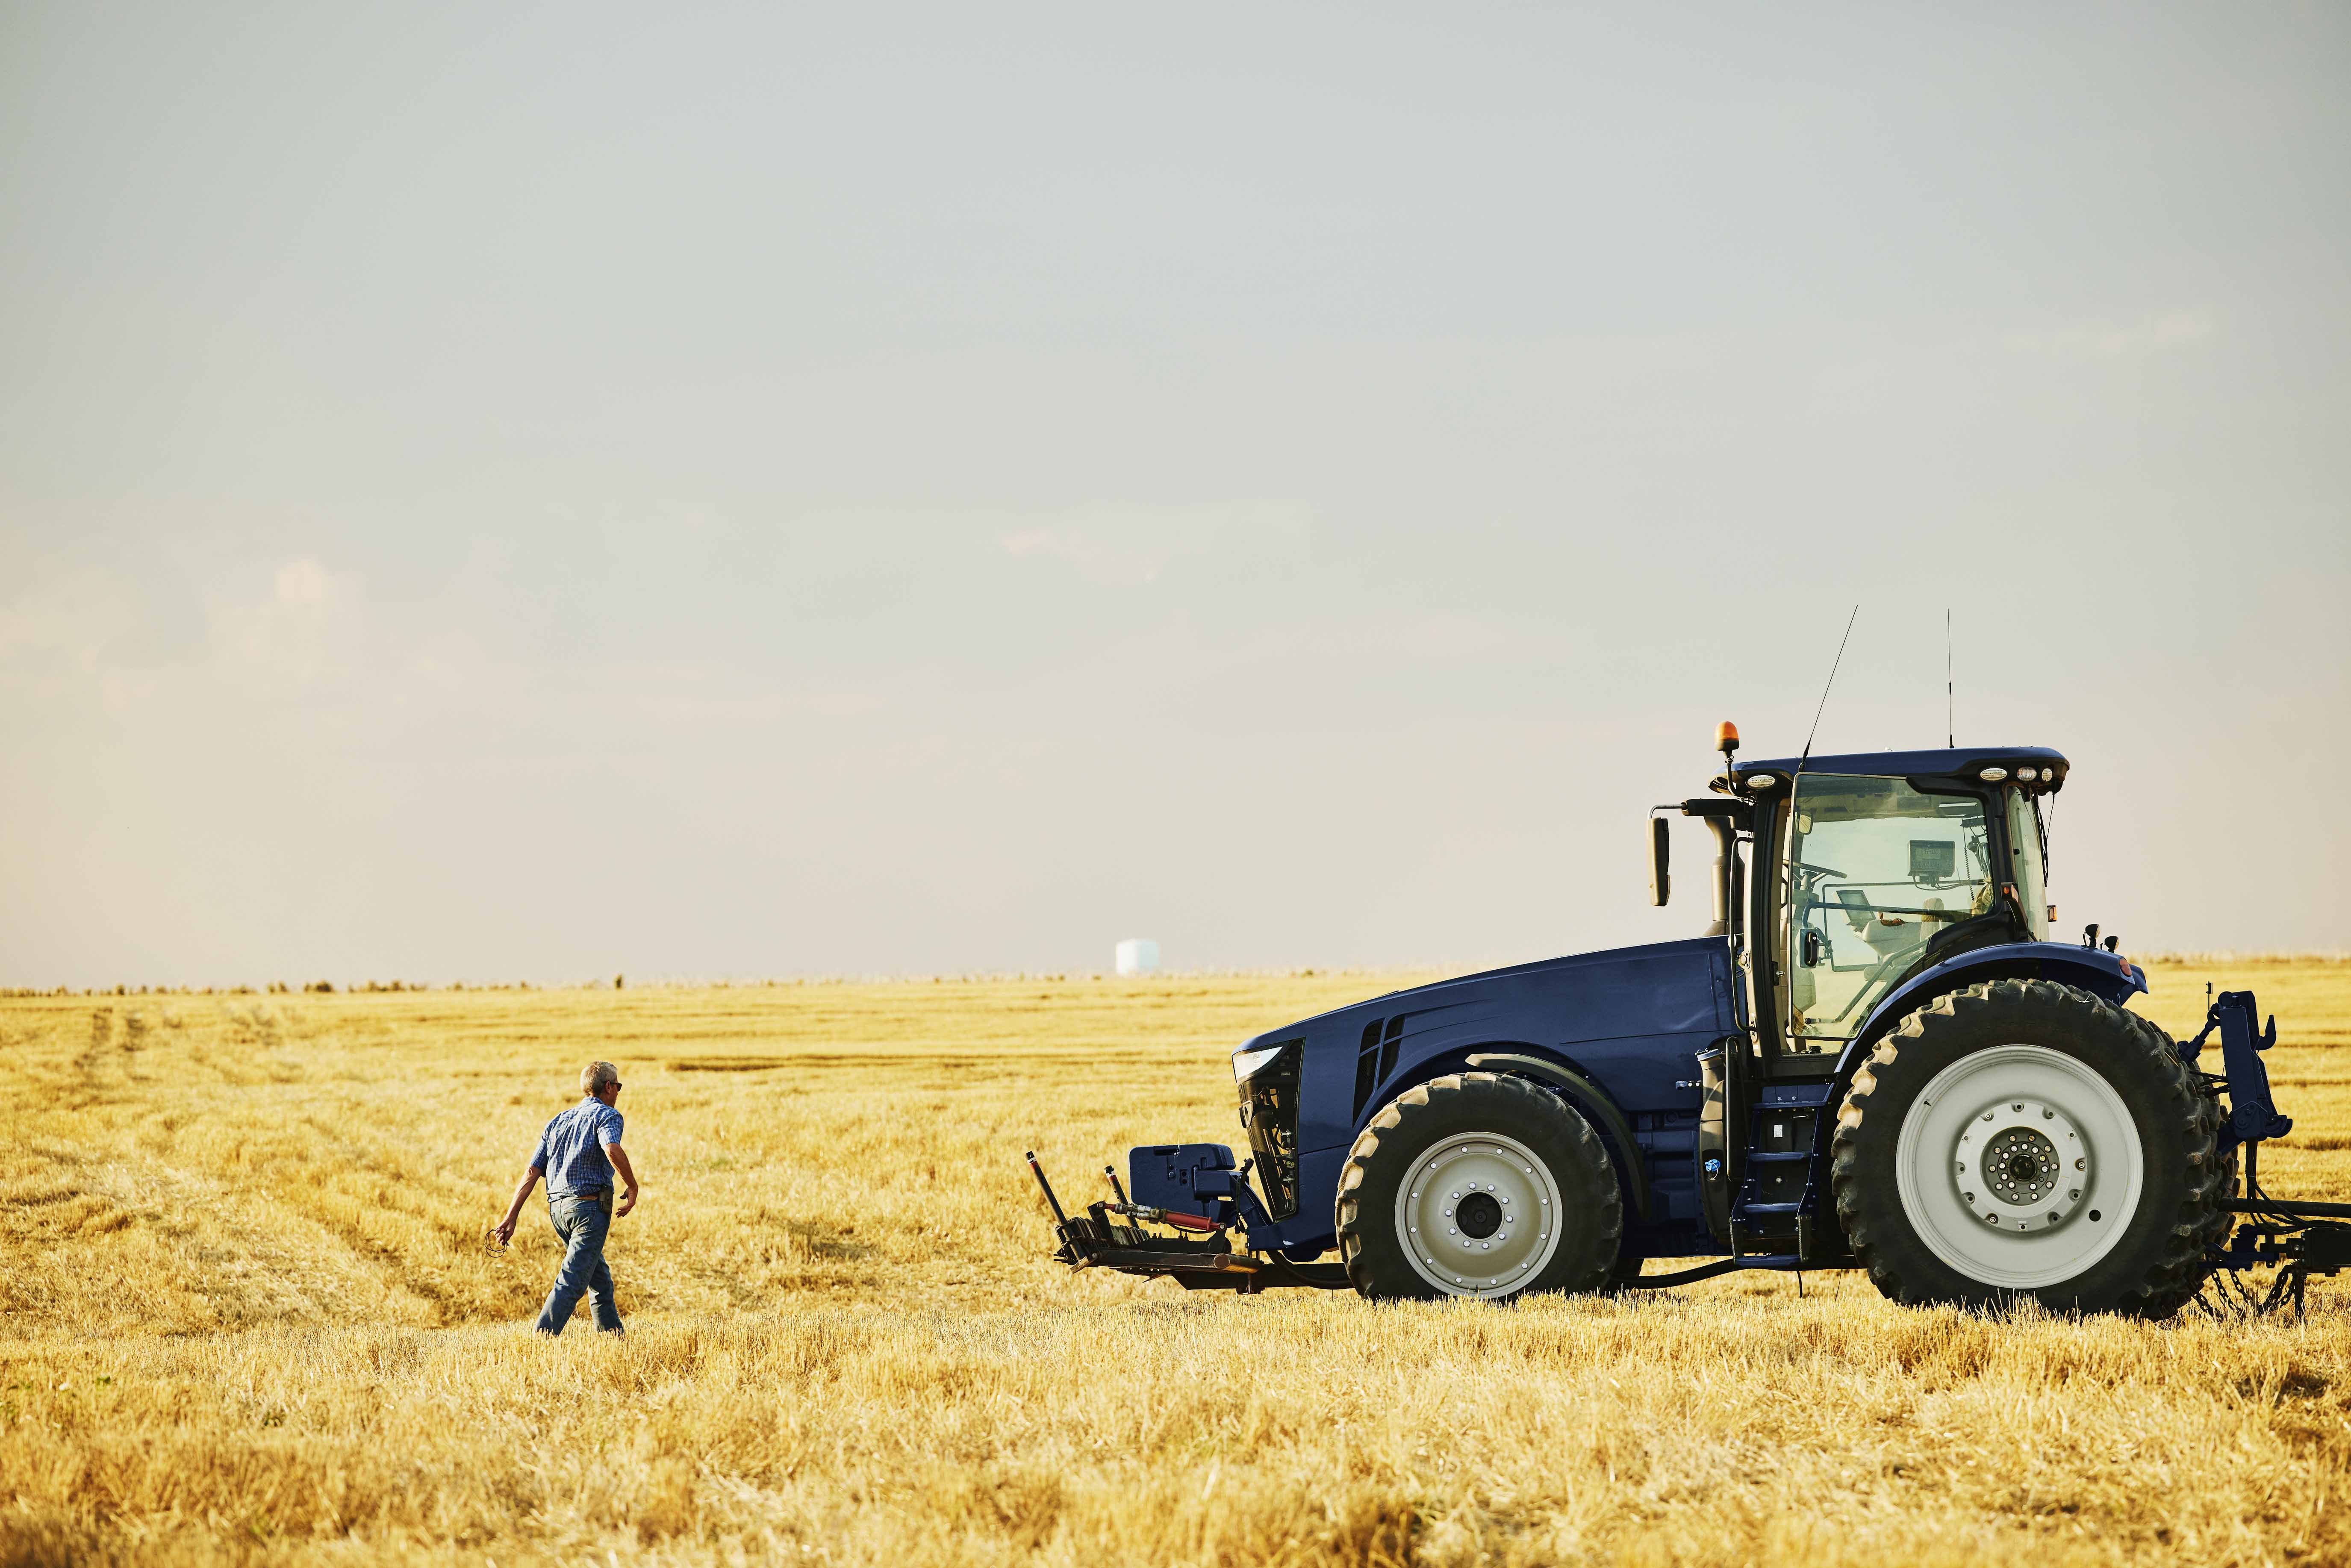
[{"x": 1875, "y": 1057}]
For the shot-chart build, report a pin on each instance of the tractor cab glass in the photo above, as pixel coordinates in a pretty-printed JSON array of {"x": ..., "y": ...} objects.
[
  {"x": 1872, "y": 871},
  {"x": 2028, "y": 853}
]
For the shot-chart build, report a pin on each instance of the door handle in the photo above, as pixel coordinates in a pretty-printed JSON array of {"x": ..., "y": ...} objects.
[{"x": 1812, "y": 947}]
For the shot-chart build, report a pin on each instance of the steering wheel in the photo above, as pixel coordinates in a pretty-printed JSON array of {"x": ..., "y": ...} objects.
[{"x": 1816, "y": 869}]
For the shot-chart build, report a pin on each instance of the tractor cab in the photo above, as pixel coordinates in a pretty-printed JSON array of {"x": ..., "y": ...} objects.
[{"x": 1837, "y": 878}]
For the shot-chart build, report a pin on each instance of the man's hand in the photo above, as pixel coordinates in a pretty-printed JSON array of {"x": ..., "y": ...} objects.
[
  {"x": 619, "y": 1159},
  {"x": 503, "y": 1231}
]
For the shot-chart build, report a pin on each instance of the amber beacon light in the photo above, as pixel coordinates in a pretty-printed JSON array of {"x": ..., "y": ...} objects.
[{"x": 1725, "y": 737}]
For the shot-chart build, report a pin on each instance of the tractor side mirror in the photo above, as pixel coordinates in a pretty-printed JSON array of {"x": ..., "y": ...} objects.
[{"x": 1661, "y": 850}]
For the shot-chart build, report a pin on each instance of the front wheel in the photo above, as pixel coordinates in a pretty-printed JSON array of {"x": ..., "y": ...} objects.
[
  {"x": 2024, "y": 1139},
  {"x": 1477, "y": 1184}
]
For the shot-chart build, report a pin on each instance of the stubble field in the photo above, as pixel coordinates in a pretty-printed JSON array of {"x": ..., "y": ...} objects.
[{"x": 247, "y": 1314}]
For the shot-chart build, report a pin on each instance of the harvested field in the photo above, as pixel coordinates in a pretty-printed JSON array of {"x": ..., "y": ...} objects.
[{"x": 249, "y": 1316}]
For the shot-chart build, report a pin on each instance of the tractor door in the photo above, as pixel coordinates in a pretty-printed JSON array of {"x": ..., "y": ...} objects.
[{"x": 1876, "y": 878}]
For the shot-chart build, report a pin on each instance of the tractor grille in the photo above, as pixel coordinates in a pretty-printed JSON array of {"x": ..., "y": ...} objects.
[
  {"x": 1376, "y": 1057},
  {"x": 1269, "y": 1106}
]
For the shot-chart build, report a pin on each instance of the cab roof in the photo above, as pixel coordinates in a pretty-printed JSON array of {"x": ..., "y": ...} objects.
[{"x": 1966, "y": 762}]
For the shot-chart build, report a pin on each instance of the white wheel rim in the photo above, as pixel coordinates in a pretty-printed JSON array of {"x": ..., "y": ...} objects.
[
  {"x": 2019, "y": 1166},
  {"x": 1503, "y": 1241}
]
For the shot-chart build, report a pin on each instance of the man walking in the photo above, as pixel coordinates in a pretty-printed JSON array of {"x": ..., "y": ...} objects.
[{"x": 576, "y": 1154}]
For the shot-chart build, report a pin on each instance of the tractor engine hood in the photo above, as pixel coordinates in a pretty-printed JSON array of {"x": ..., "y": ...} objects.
[{"x": 1608, "y": 1012}]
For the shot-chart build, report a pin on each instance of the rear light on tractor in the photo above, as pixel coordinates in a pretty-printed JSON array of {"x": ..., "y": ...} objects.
[{"x": 1992, "y": 775}]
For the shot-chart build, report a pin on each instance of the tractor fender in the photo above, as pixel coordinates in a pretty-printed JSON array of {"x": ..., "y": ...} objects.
[
  {"x": 2107, "y": 976},
  {"x": 1588, "y": 1097}
]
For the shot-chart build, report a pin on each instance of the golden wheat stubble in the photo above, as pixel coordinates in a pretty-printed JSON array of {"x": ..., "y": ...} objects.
[{"x": 246, "y": 1313}]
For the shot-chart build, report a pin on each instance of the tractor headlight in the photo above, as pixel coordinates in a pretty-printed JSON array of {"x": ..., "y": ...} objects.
[
  {"x": 1246, "y": 1063},
  {"x": 1267, "y": 1077}
]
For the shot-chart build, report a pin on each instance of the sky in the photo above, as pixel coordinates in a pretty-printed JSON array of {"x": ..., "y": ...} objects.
[{"x": 534, "y": 492}]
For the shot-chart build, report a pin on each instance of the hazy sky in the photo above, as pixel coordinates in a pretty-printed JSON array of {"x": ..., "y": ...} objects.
[{"x": 528, "y": 493}]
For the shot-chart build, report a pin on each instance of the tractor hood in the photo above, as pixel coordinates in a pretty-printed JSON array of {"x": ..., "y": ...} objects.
[{"x": 1608, "y": 1013}]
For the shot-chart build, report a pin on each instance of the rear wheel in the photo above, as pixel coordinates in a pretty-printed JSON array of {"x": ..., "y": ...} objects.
[
  {"x": 1477, "y": 1184},
  {"x": 2221, "y": 1182},
  {"x": 2025, "y": 1139}
]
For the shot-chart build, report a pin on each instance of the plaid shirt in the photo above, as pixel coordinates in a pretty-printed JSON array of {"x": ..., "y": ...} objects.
[{"x": 570, "y": 1151}]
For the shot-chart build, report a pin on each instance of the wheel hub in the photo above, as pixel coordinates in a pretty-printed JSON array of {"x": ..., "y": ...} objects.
[
  {"x": 1478, "y": 1215},
  {"x": 2021, "y": 1166}
]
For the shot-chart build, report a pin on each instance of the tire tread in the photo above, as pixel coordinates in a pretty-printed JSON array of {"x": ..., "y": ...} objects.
[
  {"x": 1366, "y": 1267},
  {"x": 2195, "y": 1228}
]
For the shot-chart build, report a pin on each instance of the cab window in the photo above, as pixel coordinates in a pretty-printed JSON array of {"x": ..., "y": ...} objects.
[
  {"x": 1872, "y": 870},
  {"x": 2028, "y": 853}
]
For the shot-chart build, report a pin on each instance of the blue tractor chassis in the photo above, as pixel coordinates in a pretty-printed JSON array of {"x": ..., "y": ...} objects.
[{"x": 1625, "y": 1036}]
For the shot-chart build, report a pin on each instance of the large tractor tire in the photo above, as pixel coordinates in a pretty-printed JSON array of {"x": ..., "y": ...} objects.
[
  {"x": 2212, "y": 1232},
  {"x": 2023, "y": 1139},
  {"x": 1477, "y": 1184}
]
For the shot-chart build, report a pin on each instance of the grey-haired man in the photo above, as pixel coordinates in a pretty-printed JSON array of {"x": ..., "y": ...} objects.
[{"x": 576, "y": 1154}]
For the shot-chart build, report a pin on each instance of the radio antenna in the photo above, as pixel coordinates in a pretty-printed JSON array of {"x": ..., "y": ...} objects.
[
  {"x": 1807, "y": 757},
  {"x": 1950, "y": 723}
]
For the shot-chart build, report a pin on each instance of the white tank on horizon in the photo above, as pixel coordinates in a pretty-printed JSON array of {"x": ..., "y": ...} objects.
[{"x": 1138, "y": 956}]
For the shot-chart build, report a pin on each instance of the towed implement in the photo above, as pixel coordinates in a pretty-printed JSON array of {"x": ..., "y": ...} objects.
[{"x": 1875, "y": 1057}]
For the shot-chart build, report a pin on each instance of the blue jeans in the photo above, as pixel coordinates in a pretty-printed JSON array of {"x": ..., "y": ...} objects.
[{"x": 581, "y": 1222}]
